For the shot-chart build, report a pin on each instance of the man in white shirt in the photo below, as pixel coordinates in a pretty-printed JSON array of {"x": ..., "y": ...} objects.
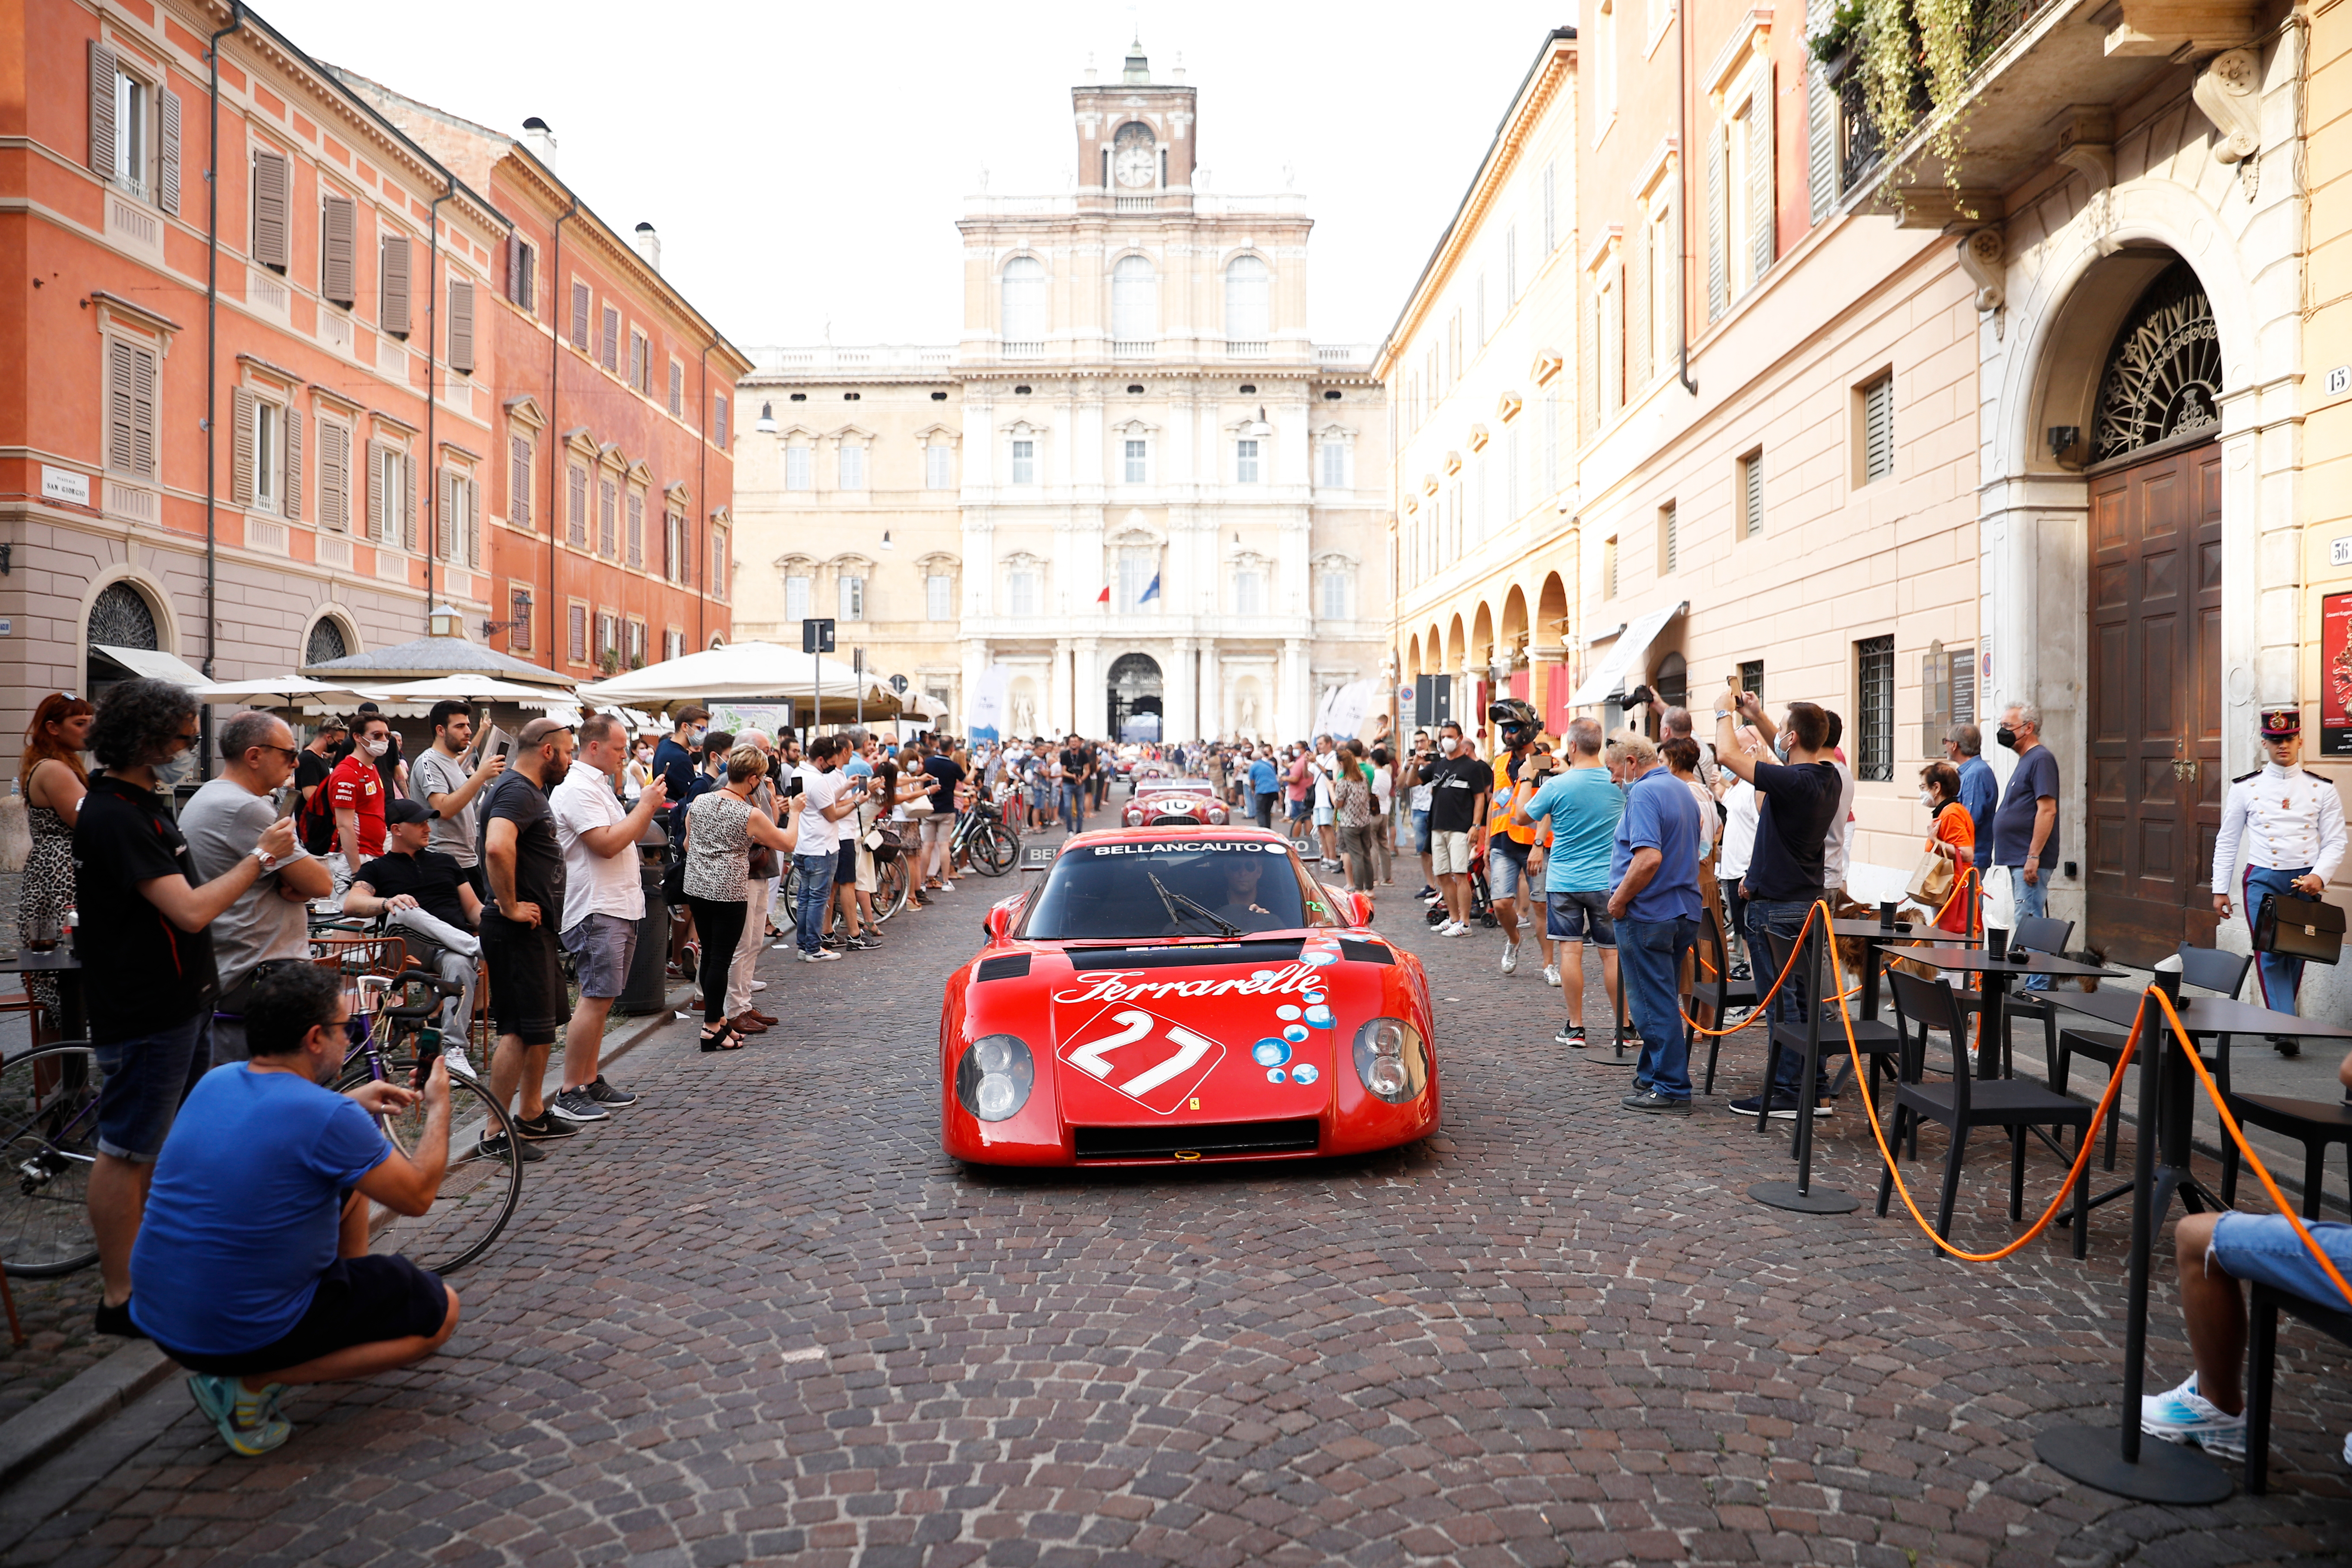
[
  {"x": 1837, "y": 847},
  {"x": 830, "y": 795},
  {"x": 603, "y": 900}
]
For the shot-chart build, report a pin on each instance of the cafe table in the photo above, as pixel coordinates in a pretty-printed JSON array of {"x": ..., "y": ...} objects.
[
  {"x": 1875, "y": 936},
  {"x": 1993, "y": 977},
  {"x": 62, "y": 962}
]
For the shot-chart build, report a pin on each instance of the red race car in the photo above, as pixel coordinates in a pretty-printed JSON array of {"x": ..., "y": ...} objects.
[
  {"x": 1169, "y": 995},
  {"x": 1173, "y": 803}
]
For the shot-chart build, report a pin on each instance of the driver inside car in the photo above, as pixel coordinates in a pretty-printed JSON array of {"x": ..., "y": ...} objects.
[{"x": 1240, "y": 905}]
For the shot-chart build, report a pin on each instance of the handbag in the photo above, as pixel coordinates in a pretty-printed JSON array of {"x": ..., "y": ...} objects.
[
  {"x": 1931, "y": 879},
  {"x": 16, "y": 832},
  {"x": 2301, "y": 927}
]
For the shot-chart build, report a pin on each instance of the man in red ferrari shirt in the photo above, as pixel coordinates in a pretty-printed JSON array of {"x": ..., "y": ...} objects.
[{"x": 354, "y": 792}]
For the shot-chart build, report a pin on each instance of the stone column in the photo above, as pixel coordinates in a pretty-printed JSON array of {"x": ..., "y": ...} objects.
[
  {"x": 1294, "y": 705},
  {"x": 1180, "y": 701}
]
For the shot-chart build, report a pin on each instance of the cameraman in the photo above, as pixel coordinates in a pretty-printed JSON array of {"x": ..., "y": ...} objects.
[{"x": 1508, "y": 849}]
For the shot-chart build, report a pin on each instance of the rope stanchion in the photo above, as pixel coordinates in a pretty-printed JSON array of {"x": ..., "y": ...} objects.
[{"x": 1796, "y": 946}]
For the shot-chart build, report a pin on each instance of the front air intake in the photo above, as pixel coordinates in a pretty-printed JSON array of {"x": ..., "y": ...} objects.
[{"x": 1214, "y": 1141}]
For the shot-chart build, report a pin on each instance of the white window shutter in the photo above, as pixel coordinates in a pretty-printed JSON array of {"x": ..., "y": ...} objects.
[
  {"x": 293, "y": 465},
  {"x": 1820, "y": 127},
  {"x": 1719, "y": 272},
  {"x": 167, "y": 151},
  {"x": 1762, "y": 166},
  {"x": 242, "y": 406},
  {"x": 101, "y": 109}
]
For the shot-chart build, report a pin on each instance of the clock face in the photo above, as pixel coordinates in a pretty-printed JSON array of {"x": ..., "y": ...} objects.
[{"x": 1133, "y": 163}]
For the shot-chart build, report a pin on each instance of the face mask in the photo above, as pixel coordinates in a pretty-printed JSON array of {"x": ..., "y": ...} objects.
[
  {"x": 1452, "y": 745},
  {"x": 375, "y": 748},
  {"x": 1780, "y": 745},
  {"x": 178, "y": 770},
  {"x": 1927, "y": 799},
  {"x": 2006, "y": 736},
  {"x": 698, "y": 731}
]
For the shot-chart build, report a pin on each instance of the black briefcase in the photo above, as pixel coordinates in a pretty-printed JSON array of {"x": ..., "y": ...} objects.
[{"x": 2293, "y": 927}]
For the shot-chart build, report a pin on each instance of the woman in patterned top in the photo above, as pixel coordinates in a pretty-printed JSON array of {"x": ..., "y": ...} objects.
[
  {"x": 720, "y": 829},
  {"x": 54, "y": 782}
]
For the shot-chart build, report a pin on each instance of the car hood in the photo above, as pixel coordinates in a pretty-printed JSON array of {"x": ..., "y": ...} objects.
[{"x": 1223, "y": 1031}]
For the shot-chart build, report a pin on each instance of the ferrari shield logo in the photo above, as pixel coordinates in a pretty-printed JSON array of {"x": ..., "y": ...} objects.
[{"x": 1153, "y": 1061}]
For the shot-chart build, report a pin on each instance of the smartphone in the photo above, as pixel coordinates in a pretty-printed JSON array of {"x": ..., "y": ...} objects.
[
  {"x": 793, "y": 787},
  {"x": 289, "y": 801}
]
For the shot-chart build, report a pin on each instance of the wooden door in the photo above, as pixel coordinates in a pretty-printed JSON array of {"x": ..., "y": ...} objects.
[{"x": 2155, "y": 739}]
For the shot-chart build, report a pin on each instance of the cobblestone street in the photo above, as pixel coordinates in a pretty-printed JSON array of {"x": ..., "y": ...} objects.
[{"x": 760, "y": 1317}]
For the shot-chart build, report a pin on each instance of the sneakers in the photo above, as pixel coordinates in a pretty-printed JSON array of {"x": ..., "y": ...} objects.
[
  {"x": 826, "y": 955},
  {"x": 1571, "y": 1035},
  {"x": 460, "y": 1063},
  {"x": 1650, "y": 1100},
  {"x": 577, "y": 1105},
  {"x": 1454, "y": 928},
  {"x": 248, "y": 1422},
  {"x": 1426, "y": 892},
  {"x": 2185, "y": 1415},
  {"x": 495, "y": 1148},
  {"x": 1551, "y": 974},
  {"x": 860, "y": 945},
  {"x": 116, "y": 1321},
  {"x": 1510, "y": 958},
  {"x": 1784, "y": 1107},
  {"x": 603, "y": 1093},
  {"x": 545, "y": 1127},
  {"x": 759, "y": 986}
]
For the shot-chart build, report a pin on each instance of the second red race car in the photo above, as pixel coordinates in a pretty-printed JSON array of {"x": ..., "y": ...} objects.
[
  {"x": 1173, "y": 803},
  {"x": 1173, "y": 995}
]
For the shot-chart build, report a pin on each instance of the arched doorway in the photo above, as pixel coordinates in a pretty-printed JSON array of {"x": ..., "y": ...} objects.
[
  {"x": 326, "y": 642},
  {"x": 2153, "y": 752},
  {"x": 120, "y": 617},
  {"x": 1135, "y": 710}
]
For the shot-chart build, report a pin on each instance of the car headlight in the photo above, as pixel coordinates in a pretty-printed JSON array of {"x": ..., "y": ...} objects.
[
  {"x": 992, "y": 1081},
  {"x": 1390, "y": 1060}
]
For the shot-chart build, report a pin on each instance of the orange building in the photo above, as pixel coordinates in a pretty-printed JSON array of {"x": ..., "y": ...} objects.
[
  {"x": 614, "y": 411},
  {"x": 218, "y": 439}
]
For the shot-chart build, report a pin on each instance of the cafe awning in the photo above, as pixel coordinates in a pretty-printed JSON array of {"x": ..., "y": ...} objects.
[
  {"x": 1608, "y": 677},
  {"x": 153, "y": 665}
]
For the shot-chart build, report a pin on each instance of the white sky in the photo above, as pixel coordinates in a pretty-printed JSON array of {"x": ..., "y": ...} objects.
[{"x": 806, "y": 164}]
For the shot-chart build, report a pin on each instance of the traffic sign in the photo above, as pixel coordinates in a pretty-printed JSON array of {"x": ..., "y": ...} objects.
[{"x": 816, "y": 636}]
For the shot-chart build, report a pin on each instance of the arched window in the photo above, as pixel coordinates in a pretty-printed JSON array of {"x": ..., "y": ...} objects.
[
  {"x": 120, "y": 617},
  {"x": 326, "y": 642},
  {"x": 1134, "y": 302},
  {"x": 1025, "y": 305},
  {"x": 1248, "y": 313}
]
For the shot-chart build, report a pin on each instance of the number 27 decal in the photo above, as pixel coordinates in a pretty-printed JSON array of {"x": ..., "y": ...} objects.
[{"x": 1134, "y": 1027}]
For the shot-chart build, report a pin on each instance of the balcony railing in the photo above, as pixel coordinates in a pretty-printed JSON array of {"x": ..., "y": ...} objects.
[
  {"x": 1863, "y": 142},
  {"x": 1023, "y": 350},
  {"x": 1236, "y": 348}
]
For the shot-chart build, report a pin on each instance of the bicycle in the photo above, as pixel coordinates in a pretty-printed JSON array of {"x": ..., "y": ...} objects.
[
  {"x": 48, "y": 1142},
  {"x": 983, "y": 840},
  {"x": 478, "y": 1193}
]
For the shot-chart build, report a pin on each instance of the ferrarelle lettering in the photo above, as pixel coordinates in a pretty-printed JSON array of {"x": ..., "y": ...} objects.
[{"x": 1113, "y": 985}]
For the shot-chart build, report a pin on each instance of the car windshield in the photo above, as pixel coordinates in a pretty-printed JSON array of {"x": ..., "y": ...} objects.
[
  {"x": 1200, "y": 887},
  {"x": 1173, "y": 786}
]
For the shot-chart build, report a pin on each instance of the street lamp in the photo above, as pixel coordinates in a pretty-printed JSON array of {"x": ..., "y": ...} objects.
[
  {"x": 1260, "y": 430},
  {"x": 766, "y": 425},
  {"x": 444, "y": 622}
]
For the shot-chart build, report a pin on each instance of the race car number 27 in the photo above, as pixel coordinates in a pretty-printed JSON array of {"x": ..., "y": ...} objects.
[{"x": 1151, "y": 1059}]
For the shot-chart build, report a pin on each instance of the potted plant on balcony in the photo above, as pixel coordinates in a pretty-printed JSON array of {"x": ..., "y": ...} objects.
[{"x": 1832, "y": 39}]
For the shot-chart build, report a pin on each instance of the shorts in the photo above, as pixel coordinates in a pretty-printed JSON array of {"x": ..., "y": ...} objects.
[
  {"x": 147, "y": 1077},
  {"x": 1567, "y": 916},
  {"x": 601, "y": 947},
  {"x": 1323, "y": 816},
  {"x": 527, "y": 996},
  {"x": 844, "y": 863},
  {"x": 1042, "y": 796},
  {"x": 1449, "y": 853},
  {"x": 2265, "y": 1249},
  {"x": 1299, "y": 811},
  {"x": 936, "y": 828},
  {"x": 357, "y": 1301},
  {"x": 1421, "y": 833},
  {"x": 1506, "y": 866}
]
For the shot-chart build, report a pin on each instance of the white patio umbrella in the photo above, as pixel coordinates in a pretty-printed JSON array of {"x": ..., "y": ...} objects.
[
  {"x": 744, "y": 672},
  {"x": 467, "y": 688},
  {"x": 277, "y": 692}
]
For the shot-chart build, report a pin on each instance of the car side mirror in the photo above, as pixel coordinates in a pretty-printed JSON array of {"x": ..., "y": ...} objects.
[{"x": 997, "y": 923}]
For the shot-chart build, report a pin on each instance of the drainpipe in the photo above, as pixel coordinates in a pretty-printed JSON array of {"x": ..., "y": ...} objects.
[
  {"x": 1682, "y": 179},
  {"x": 432, "y": 518},
  {"x": 211, "y": 378},
  {"x": 554, "y": 442}
]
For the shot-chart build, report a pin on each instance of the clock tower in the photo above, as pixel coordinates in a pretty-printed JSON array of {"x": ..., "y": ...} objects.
[{"x": 1135, "y": 135}]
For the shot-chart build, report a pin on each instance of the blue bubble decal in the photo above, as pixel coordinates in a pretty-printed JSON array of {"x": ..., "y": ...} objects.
[
  {"x": 1318, "y": 958},
  {"x": 1288, "y": 1015},
  {"x": 1270, "y": 1052},
  {"x": 1294, "y": 1033},
  {"x": 1312, "y": 997},
  {"x": 1304, "y": 1073},
  {"x": 1319, "y": 1016}
]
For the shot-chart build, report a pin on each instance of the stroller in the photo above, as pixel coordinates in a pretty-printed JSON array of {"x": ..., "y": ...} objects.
[{"x": 1482, "y": 902}]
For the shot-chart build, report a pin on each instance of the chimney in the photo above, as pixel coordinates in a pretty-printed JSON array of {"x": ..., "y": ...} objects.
[
  {"x": 540, "y": 139},
  {"x": 648, "y": 246}
]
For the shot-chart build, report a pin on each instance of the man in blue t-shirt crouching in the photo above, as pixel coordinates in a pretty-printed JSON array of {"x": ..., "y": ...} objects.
[{"x": 252, "y": 1266}]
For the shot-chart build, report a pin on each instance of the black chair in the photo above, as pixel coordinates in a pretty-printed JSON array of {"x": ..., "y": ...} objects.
[
  {"x": 1879, "y": 1042},
  {"x": 1968, "y": 1102},
  {"x": 2313, "y": 1123},
  {"x": 2206, "y": 968},
  {"x": 2262, "y": 1367},
  {"x": 1714, "y": 987}
]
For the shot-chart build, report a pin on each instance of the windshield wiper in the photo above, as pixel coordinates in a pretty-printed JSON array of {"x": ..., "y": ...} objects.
[{"x": 1172, "y": 901}]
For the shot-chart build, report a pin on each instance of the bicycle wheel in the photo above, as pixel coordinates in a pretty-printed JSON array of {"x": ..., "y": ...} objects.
[
  {"x": 478, "y": 1194},
  {"x": 891, "y": 886},
  {"x": 993, "y": 851},
  {"x": 48, "y": 1140}
]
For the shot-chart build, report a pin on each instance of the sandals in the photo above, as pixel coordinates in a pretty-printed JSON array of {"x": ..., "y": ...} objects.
[{"x": 728, "y": 1038}]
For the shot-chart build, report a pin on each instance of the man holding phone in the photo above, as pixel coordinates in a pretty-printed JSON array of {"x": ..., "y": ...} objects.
[
  {"x": 442, "y": 784},
  {"x": 818, "y": 854}
]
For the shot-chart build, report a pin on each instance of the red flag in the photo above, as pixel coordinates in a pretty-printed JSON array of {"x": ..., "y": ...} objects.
[{"x": 1103, "y": 597}]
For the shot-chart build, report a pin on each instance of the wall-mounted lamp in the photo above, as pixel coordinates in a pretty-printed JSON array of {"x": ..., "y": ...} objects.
[
  {"x": 767, "y": 421},
  {"x": 2064, "y": 439}
]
